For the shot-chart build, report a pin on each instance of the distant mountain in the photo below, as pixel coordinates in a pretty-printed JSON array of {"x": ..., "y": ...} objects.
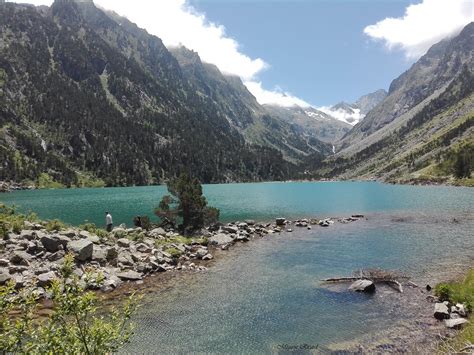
[
  {"x": 368, "y": 102},
  {"x": 256, "y": 124},
  {"x": 355, "y": 112},
  {"x": 424, "y": 123},
  {"x": 312, "y": 121},
  {"x": 87, "y": 97}
]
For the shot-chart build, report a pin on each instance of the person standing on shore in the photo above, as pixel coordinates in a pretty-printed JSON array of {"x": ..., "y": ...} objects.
[{"x": 108, "y": 222}]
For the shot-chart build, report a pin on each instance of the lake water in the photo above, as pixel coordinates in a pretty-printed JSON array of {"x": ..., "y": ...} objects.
[
  {"x": 266, "y": 294},
  {"x": 259, "y": 201}
]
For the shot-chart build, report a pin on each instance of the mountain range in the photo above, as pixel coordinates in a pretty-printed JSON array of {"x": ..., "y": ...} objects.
[{"x": 89, "y": 98}]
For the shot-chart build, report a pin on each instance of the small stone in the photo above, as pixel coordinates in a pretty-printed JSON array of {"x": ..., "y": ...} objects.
[
  {"x": 130, "y": 276},
  {"x": 4, "y": 263},
  {"x": 207, "y": 257}
]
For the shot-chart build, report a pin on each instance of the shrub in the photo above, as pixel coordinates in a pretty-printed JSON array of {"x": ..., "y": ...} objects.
[
  {"x": 54, "y": 225},
  {"x": 458, "y": 292},
  {"x": 175, "y": 253},
  {"x": 74, "y": 326}
]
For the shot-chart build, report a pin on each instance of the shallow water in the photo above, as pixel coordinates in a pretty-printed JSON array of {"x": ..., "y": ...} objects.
[{"x": 267, "y": 294}]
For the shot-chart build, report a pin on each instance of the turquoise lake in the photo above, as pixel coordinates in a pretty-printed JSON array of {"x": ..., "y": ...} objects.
[
  {"x": 267, "y": 293},
  {"x": 259, "y": 201}
]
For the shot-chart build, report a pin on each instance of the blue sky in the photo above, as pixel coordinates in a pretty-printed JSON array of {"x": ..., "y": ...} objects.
[{"x": 316, "y": 50}]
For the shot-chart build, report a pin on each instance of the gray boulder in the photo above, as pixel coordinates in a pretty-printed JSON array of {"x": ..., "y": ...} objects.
[
  {"x": 157, "y": 232},
  {"x": 20, "y": 258},
  {"x": 363, "y": 286},
  {"x": 441, "y": 311},
  {"x": 50, "y": 243},
  {"x": 70, "y": 233},
  {"x": 45, "y": 279},
  {"x": 111, "y": 253},
  {"x": 280, "y": 221},
  {"x": 201, "y": 252},
  {"x": 123, "y": 242},
  {"x": 129, "y": 276},
  {"x": 143, "y": 248},
  {"x": 230, "y": 229},
  {"x": 220, "y": 239},
  {"x": 4, "y": 277},
  {"x": 27, "y": 234},
  {"x": 99, "y": 255},
  {"x": 82, "y": 249},
  {"x": 455, "y": 323}
]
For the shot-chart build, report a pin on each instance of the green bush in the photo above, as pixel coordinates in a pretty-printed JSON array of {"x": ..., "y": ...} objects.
[
  {"x": 11, "y": 221},
  {"x": 92, "y": 228},
  {"x": 175, "y": 253},
  {"x": 458, "y": 292},
  {"x": 74, "y": 326},
  {"x": 54, "y": 225}
]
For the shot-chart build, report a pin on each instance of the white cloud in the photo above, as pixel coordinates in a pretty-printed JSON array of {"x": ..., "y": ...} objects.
[
  {"x": 423, "y": 25},
  {"x": 340, "y": 114},
  {"x": 275, "y": 97},
  {"x": 178, "y": 23}
]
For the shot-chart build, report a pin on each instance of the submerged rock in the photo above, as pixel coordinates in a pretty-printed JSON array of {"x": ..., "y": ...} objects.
[
  {"x": 363, "y": 286},
  {"x": 129, "y": 276}
]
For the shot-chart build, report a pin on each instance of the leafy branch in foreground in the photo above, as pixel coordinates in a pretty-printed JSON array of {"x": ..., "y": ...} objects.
[{"x": 75, "y": 325}]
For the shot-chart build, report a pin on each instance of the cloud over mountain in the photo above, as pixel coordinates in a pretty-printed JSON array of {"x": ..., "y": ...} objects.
[{"x": 422, "y": 25}]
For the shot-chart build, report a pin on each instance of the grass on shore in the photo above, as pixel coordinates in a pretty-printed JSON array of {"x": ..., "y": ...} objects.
[{"x": 459, "y": 292}]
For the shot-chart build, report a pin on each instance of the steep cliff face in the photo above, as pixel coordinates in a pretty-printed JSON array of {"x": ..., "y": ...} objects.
[
  {"x": 425, "y": 121},
  {"x": 415, "y": 88},
  {"x": 84, "y": 97}
]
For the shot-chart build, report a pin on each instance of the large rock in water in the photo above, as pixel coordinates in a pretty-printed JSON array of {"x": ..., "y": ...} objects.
[
  {"x": 455, "y": 323},
  {"x": 441, "y": 311},
  {"x": 82, "y": 249},
  {"x": 363, "y": 286},
  {"x": 220, "y": 239},
  {"x": 280, "y": 221}
]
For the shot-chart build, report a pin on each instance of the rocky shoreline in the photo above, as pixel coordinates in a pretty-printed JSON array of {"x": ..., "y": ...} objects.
[
  {"x": 34, "y": 255},
  {"x": 10, "y": 186}
]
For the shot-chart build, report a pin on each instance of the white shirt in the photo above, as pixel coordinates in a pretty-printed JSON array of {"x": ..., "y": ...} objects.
[{"x": 108, "y": 219}]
